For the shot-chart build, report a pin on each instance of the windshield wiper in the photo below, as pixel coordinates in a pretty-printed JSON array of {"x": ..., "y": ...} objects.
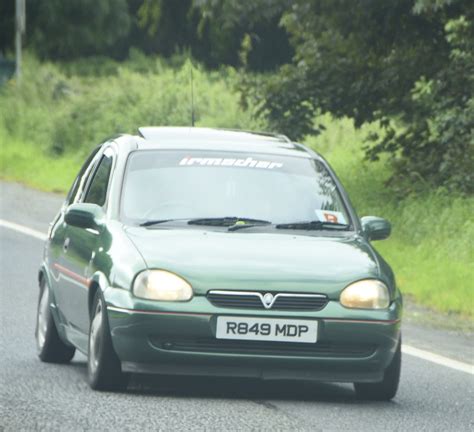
[
  {"x": 156, "y": 222},
  {"x": 313, "y": 225},
  {"x": 239, "y": 226},
  {"x": 232, "y": 222},
  {"x": 229, "y": 221}
]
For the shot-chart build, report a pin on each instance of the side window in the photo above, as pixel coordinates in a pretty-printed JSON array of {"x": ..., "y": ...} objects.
[
  {"x": 97, "y": 192},
  {"x": 77, "y": 182}
]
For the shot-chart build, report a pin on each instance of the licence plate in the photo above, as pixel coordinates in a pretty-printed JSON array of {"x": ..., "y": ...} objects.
[{"x": 267, "y": 329}]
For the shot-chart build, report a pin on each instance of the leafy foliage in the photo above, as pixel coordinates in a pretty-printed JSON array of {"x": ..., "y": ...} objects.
[
  {"x": 437, "y": 143},
  {"x": 212, "y": 31},
  {"x": 227, "y": 25},
  {"x": 71, "y": 114},
  {"x": 7, "y": 24},
  {"x": 406, "y": 65},
  {"x": 69, "y": 29}
]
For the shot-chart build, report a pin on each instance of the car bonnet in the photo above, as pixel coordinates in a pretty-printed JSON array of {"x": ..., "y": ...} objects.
[{"x": 257, "y": 261}]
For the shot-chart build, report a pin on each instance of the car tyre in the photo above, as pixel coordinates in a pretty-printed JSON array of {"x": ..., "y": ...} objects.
[
  {"x": 387, "y": 388},
  {"x": 103, "y": 366},
  {"x": 50, "y": 347}
]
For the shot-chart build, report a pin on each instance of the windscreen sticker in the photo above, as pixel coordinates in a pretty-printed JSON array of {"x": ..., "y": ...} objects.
[
  {"x": 230, "y": 162},
  {"x": 330, "y": 216}
]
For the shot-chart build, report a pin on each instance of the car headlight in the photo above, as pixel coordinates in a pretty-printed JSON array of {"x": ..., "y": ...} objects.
[
  {"x": 366, "y": 294},
  {"x": 162, "y": 285}
]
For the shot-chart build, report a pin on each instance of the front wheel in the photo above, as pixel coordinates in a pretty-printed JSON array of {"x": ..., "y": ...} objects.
[
  {"x": 387, "y": 388},
  {"x": 103, "y": 366},
  {"x": 50, "y": 347}
]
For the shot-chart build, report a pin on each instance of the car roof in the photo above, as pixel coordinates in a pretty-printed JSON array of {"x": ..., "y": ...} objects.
[{"x": 197, "y": 138}]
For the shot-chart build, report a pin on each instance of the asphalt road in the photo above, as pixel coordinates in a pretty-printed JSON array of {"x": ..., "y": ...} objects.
[{"x": 39, "y": 396}]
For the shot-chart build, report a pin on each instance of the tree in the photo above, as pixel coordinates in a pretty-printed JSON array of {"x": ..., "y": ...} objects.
[
  {"x": 214, "y": 31},
  {"x": 7, "y": 24},
  {"x": 250, "y": 28},
  {"x": 398, "y": 62},
  {"x": 69, "y": 29}
]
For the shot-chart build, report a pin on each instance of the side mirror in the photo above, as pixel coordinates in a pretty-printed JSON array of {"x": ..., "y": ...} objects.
[
  {"x": 84, "y": 215},
  {"x": 376, "y": 228}
]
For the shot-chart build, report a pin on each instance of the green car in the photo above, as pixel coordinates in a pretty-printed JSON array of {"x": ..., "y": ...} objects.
[{"x": 193, "y": 251}]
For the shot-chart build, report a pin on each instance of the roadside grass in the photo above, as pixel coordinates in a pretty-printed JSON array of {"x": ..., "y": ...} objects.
[
  {"x": 27, "y": 163},
  {"x": 50, "y": 124}
]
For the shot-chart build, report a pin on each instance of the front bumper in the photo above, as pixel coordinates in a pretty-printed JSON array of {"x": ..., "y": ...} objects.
[{"x": 179, "y": 338}]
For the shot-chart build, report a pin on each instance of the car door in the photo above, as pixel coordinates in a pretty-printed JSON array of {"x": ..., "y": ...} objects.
[
  {"x": 79, "y": 248},
  {"x": 57, "y": 233}
]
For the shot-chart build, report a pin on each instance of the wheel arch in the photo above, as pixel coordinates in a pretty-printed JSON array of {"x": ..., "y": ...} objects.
[
  {"x": 97, "y": 281},
  {"x": 40, "y": 275},
  {"x": 44, "y": 275}
]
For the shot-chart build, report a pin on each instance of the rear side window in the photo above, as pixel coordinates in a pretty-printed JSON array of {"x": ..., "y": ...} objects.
[
  {"x": 71, "y": 196},
  {"x": 97, "y": 192}
]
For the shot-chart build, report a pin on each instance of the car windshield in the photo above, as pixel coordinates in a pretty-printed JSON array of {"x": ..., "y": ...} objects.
[{"x": 162, "y": 185}]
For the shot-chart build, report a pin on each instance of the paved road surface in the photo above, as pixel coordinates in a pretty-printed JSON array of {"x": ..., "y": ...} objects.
[{"x": 39, "y": 396}]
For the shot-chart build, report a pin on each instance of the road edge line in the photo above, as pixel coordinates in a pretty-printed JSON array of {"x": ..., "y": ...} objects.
[
  {"x": 23, "y": 229},
  {"x": 438, "y": 359}
]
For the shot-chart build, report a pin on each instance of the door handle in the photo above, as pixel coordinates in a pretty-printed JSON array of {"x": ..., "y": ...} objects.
[{"x": 66, "y": 244}]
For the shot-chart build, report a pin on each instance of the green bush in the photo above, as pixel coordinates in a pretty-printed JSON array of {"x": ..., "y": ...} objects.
[
  {"x": 62, "y": 113},
  {"x": 29, "y": 111}
]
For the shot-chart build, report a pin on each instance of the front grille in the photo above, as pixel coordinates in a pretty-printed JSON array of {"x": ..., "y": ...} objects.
[
  {"x": 236, "y": 301},
  {"x": 255, "y": 300},
  {"x": 319, "y": 349}
]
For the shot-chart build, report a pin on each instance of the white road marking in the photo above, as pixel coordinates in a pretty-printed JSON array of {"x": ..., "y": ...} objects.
[
  {"x": 406, "y": 349},
  {"x": 438, "y": 359},
  {"x": 23, "y": 229}
]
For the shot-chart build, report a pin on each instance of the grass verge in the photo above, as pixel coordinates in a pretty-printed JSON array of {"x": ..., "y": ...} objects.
[{"x": 26, "y": 163}]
